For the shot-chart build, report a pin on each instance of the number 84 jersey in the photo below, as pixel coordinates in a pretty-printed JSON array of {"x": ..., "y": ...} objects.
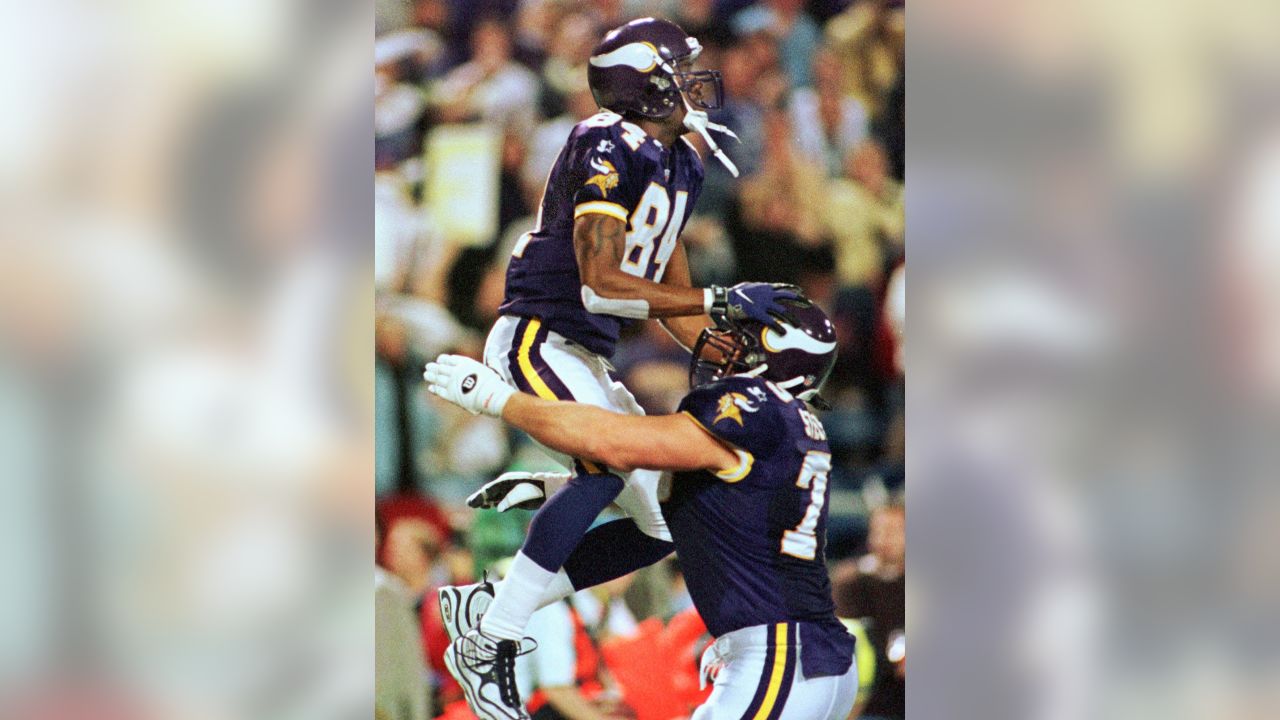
[
  {"x": 751, "y": 539},
  {"x": 610, "y": 167}
]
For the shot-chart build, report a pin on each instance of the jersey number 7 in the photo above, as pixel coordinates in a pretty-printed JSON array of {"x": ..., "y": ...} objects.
[{"x": 802, "y": 541}]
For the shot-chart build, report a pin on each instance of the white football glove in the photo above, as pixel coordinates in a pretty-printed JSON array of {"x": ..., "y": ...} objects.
[
  {"x": 522, "y": 490},
  {"x": 468, "y": 384}
]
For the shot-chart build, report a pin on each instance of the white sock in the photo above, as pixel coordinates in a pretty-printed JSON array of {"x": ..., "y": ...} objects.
[
  {"x": 516, "y": 598},
  {"x": 558, "y": 589}
]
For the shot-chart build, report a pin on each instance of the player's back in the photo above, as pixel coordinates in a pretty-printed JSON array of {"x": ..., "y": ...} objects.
[
  {"x": 751, "y": 542},
  {"x": 611, "y": 167}
]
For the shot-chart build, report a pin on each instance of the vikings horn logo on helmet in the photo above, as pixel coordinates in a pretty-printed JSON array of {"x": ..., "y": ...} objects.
[
  {"x": 642, "y": 67},
  {"x": 641, "y": 56}
]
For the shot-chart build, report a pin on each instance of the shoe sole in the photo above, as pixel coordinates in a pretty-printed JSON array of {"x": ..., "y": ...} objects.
[{"x": 473, "y": 699}]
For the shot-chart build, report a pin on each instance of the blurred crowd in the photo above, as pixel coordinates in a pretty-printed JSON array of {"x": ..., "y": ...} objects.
[{"x": 473, "y": 102}]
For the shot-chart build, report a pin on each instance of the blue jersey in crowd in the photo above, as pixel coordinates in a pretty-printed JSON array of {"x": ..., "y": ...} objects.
[
  {"x": 612, "y": 167},
  {"x": 751, "y": 540}
]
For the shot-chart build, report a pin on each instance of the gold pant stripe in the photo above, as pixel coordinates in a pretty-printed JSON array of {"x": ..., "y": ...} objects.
[
  {"x": 535, "y": 380},
  {"x": 779, "y": 669}
]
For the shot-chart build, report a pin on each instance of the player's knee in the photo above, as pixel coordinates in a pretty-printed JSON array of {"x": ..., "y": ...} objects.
[{"x": 656, "y": 528}]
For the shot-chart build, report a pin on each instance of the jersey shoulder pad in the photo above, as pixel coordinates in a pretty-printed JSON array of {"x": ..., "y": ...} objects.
[
  {"x": 738, "y": 410},
  {"x": 605, "y": 165},
  {"x": 601, "y": 132},
  {"x": 606, "y": 132}
]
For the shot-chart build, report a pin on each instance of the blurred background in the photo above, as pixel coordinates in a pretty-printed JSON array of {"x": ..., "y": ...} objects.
[
  {"x": 186, "y": 312},
  {"x": 473, "y": 102},
  {"x": 186, "y": 306},
  {"x": 1093, "y": 406}
]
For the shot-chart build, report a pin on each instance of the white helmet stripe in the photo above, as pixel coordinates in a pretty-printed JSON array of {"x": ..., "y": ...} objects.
[
  {"x": 638, "y": 55},
  {"x": 794, "y": 339}
]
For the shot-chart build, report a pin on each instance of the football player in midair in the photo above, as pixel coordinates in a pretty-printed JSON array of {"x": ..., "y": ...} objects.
[
  {"x": 747, "y": 511},
  {"x": 605, "y": 252}
]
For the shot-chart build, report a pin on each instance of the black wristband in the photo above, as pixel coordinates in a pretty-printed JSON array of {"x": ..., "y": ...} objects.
[{"x": 719, "y": 302}]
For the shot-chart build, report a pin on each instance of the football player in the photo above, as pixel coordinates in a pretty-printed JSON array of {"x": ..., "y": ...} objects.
[
  {"x": 605, "y": 252},
  {"x": 747, "y": 510}
]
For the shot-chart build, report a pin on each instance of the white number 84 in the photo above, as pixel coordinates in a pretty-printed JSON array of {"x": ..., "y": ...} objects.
[{"x": 653, "y": 216}]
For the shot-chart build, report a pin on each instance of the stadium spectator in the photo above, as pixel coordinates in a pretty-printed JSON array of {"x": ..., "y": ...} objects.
[
  {"x": 826, "y": 122},
  {"x": 411, "y": 549},
  {"x": 433, "y": 16},
  {"x": 549, "y": 136},
  {"x": 698, "y": 18},
  {"x": 873, "y": 589},
  {"x": 869, "y": 39},
  {"x": 491, "y": 87},
  {"x": 565, "y": 70},
  {"x": 743, "y": 111},
  {"x": 398, "y": 104},
  {"x": 780, "y": 236},
  {"x": 796, "y": 33},
  {"x": 400, "y": 687},
  {"x": 410, "y": 322},
  {"x": 864, "y": 215},
  {"x": 819, "y": 200}
]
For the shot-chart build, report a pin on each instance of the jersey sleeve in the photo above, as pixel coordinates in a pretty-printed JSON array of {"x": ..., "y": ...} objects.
[
  {"x": 605, "y": 172},
  {"x": 741, "y": 414}
]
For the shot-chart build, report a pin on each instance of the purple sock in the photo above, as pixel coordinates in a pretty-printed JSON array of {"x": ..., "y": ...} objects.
[
  {"x": 561, "y": 522},
  {"x": 612, "y": 550}
]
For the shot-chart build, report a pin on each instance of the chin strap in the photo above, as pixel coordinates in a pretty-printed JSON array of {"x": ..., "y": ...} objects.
[{"x": 697, "y": 121}]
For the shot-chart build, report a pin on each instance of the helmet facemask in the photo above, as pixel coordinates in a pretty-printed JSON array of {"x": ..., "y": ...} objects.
[
  {"x": 698, "y": 89},
  {"x": 701, "y": 89},
  {"x": 742, "y": 348},
  {"x": 738, "y": 352}
]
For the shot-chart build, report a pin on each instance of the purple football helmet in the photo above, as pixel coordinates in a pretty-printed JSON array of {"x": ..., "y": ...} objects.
[
  {"x": 643, "y": 67},
  {"x": 799, "y": 359}
]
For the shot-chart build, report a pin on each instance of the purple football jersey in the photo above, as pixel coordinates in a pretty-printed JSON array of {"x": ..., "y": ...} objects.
[
  {"x": 751, "y": 541},
  {"x": 612, "y": 167}
]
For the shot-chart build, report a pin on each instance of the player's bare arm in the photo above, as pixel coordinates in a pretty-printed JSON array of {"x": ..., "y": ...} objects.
[
  {"x": 600, "y": 242},
  {"x": 621, "y": 442},
  {"x": 686, "y": 328}
]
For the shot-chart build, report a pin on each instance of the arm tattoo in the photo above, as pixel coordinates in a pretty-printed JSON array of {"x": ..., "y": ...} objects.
[{"x": 599, "y": 236}]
